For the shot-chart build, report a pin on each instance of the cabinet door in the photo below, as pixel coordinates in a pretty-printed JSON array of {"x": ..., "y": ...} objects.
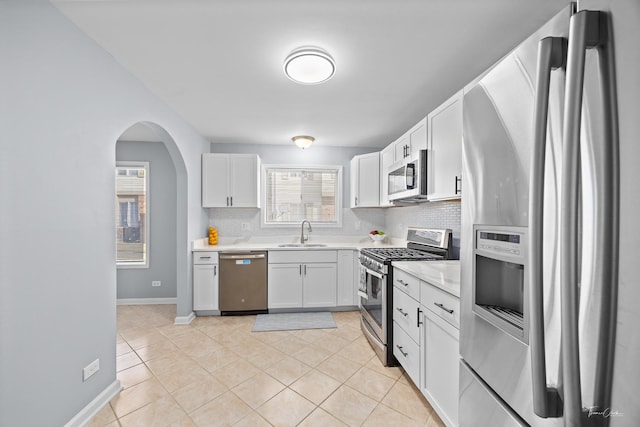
[
  {"x": 215, "y": 180},
  {"x": 445, "y": 150},
  {"x": 205, "y": 287},
  {"x": 401, "y": 147},
  {"x": 346, "y": 275},
  {"x": 367, "y": 180},
  {"x": 439, "y": 382},
  {"x": 285, "y": 286},
  {"x": 417, "y": 138},
  {"x": 386, "y": 160},
  {"x": 319, "y": 285},
  {"x": 244, "y": 181}
]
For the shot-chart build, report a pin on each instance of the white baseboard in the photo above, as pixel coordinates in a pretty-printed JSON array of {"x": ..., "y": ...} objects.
[
  {"x": 145, "y": 301},
  {"x": 185, "y": 320},
  {"x": 83, "y": 417}
]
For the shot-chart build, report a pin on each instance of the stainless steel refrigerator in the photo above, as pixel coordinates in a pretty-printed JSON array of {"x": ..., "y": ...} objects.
[{"x": 541, "y": 337}]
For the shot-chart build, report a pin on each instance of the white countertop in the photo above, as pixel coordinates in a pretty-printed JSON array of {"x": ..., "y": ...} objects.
[
  {"x": 240, "y": 244},
  {"x": 442, "y": 274}
]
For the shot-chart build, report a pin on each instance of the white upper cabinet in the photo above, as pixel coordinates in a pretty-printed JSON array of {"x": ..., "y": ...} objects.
[
  {"x": 414, "y": 140},
  {"x": 365, "y": 180},
  {"x": 445, "y": 150},
  {"x": 230, "y": 180},
  {"x": 387, "y": 157}
]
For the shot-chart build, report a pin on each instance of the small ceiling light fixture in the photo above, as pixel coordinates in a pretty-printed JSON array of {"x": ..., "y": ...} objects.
[
  {"x": 303, "y": 141},
  {"x": 309, "y": 65}
]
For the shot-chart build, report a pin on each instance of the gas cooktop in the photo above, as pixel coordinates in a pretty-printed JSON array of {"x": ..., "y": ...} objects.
[{"x": 399, "y": 254}]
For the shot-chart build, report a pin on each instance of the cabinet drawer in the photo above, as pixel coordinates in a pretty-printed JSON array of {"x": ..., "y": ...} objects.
[
  {"x": 441, "y": 303},
  {"x": 205, "y": 257},
  {"x": 405, "y": 313},
  {"x": 407, "y": 283},
  {"x": 302, "y": 256},
  {"x": 407, "y": 352}
]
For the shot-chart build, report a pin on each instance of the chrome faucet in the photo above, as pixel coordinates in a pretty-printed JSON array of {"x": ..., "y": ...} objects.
[{"x": 302, "y": 238}]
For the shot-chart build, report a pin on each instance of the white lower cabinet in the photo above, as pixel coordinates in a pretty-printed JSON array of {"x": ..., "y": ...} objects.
[
  {"x": 205, "y": 281},
  {"x": 295, "y": 281},
  {"x": 425, "y": 341},
  {"x": 319, "y": 285},
  {"x": 439, "y": 382},
  {"x": 347, "y": 278},
  {"x": 285, "y": 286},
  {"x": 407, "y": 351}
]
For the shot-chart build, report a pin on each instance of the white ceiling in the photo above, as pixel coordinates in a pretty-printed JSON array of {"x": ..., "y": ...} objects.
[{"x": 218, "y": 63}]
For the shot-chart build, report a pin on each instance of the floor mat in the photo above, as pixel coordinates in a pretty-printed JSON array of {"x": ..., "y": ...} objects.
[{"x": 293, "y": 321}]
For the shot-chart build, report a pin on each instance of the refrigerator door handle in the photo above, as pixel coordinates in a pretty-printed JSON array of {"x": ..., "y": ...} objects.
[
  {"x": 589, "y": 29},
  {"x": 552, "y": 54}
]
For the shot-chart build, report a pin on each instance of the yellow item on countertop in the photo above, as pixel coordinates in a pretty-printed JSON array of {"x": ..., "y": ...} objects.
[{"x": 213, "y": 236}]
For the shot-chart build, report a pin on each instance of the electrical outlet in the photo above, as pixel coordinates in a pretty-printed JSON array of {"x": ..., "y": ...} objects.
[
  {"x": 90, "y": 369},
  {"x": 156, "y": 283},
  {"x": 245, "y": 226}
]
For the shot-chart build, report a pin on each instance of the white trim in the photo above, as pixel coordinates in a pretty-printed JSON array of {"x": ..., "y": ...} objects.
[
  {"x": 303, "y": 167},
  {"x": 147, "y": 225},
  {"x": 145, "y": 301},
  {"x": 83, "y": 417},
  {"x": 185, "y": 320}
]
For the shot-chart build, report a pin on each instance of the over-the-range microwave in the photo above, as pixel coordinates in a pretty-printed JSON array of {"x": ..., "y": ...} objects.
[{"x": 408, "y": 180}]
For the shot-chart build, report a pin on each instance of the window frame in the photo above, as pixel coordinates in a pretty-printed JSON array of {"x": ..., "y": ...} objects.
[
  {"x": 305, "y": 167},
  {"x": 147, "y": 185}
]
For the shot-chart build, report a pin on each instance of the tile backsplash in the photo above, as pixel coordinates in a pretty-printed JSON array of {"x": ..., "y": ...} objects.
[
  {"x": 431, "y": 214},
  {"x": 355, "y": 222}
]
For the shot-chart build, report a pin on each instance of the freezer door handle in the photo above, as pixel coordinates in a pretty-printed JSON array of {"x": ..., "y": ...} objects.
[
  {"x": 552, "y": 53},
  {"x": 589, "y": 30}
]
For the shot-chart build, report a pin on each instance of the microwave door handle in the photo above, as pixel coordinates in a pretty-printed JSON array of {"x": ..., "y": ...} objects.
[
  {"x": 410, "y": 176},
  {"x": 589, "y": 29},
  {"x": 552, "y": 53}
]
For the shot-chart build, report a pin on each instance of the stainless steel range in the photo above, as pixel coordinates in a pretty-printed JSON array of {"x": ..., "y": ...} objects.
[{"x": 376, "y": 283}]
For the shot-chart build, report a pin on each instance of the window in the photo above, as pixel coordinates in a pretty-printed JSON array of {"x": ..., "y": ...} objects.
[
  {"x": 132, "y": 214},
  {"x": 294, "y": 194}
]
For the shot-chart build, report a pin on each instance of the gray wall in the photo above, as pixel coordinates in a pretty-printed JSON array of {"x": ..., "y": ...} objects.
[
  {"x": 136, "y": 282},
  {"x": 64, "y": 103}
]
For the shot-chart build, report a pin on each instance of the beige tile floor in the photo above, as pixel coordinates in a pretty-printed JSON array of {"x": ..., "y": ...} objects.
[{"x": 216, "y": 372}]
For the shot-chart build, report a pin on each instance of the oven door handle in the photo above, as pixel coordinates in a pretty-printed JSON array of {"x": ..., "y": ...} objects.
[
  {"x": 374, "y": 273},
  {"x": 363, "y": 294}
]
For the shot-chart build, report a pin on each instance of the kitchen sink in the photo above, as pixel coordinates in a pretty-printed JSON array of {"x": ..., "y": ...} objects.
[{"x": 302, "y": 245}]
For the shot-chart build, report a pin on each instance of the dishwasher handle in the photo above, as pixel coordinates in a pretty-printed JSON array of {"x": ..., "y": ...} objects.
[{"x": 243, "y": 256}]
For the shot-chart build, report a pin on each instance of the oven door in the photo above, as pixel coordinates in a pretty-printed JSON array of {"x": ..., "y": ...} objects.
[{"x": 372, "y": 292}]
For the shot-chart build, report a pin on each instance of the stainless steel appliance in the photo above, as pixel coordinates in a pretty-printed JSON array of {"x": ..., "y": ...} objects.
[
  {"x": 539, "y": 241},
  {"x": 376, "y": 283},
  {"x": 243, "y": 282},
  {"x": 408, "y": 179}
]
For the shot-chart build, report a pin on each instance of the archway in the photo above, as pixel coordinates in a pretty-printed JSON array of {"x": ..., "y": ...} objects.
[{"x": 149, "y": 132}]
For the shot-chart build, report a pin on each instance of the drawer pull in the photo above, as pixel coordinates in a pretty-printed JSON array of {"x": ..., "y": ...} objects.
[
  {"x": 402, "y": 312},
  {"x": 437, "y": 304},
  {"x": 205, "y": 257},
  {"x": 400, "y": 348},
  {"x": 402, "y": 282}
]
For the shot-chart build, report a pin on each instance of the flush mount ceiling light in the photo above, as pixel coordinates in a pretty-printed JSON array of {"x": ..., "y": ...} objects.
[
  {"x": 303, "y": 141},
  {"x": 309, "y": 65}
]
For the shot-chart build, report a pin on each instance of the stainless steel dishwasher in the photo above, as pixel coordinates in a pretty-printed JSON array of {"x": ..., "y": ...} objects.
[{"x": 243, "y": 282}]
